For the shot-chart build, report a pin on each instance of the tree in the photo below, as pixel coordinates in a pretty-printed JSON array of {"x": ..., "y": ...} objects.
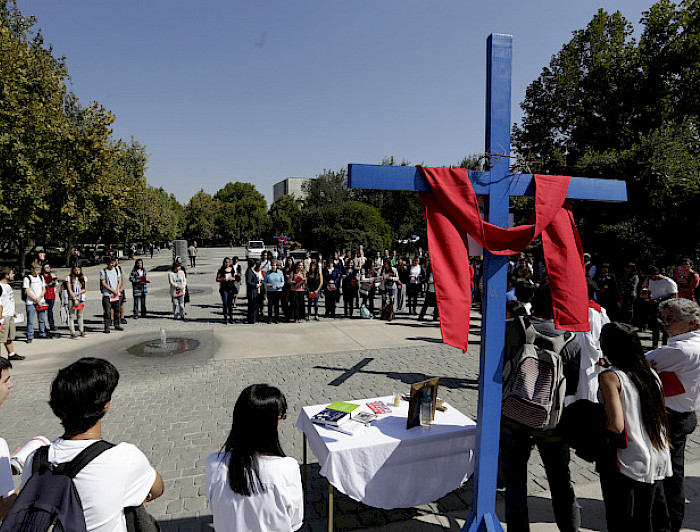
[
  {"x": 201, "y": 214},
  {"x": 285, "y": 216},
  {"x": 610, "y": 107},
  {"x": 243, "y": 212}
]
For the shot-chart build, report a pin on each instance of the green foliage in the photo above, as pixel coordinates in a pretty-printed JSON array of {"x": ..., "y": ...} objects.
[
  {"x": 285, "y": 216},
  {"x": 611, "y": 107},
  {"x": 242, "y": 212},
  {"x": 200, "y": 216}
]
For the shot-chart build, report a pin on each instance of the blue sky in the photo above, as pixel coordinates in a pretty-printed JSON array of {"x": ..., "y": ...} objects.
[{"x": 227, "y": 90}]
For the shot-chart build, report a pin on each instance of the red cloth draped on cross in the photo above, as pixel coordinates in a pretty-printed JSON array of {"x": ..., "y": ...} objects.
[{"x": 452, "y": 212}]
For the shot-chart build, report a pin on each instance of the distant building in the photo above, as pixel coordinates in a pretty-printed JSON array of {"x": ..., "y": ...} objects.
[{"x": 291, "y": 186}]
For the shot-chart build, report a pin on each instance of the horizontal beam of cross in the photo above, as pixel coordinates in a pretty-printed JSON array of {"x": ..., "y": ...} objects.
[{"x": 384, "y": 177}]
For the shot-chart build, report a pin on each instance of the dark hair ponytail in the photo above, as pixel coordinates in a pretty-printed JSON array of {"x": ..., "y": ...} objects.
[
  {"x": 253, "y": 433},
  {"x": 621, "y": 346}
]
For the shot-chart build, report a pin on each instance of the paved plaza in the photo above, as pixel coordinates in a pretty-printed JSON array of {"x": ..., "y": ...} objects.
[{"x": 177, "y": 408}]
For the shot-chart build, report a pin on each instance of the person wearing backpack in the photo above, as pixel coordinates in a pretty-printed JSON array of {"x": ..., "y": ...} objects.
[
  {"x": 33, "y": 289},
  {"x": 517, "y": 437},
  {"x": 110, "y": 477}
]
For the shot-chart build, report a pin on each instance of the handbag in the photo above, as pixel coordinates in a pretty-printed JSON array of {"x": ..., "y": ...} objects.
[
  {"x": 139, "y": 520},
  {"x": 187, "y": 294}
]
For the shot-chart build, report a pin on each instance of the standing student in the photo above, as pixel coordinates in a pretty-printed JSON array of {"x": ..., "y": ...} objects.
[
  {"x": 139, "y": 288},
  {"x": 274, "y": 281},
  {"x": 49, "y": 294},
  {"x": 237, "y": 278},
  {"x": 349, "y": 284},
  {"x": 122, "y": 294},
  {"x": 252, "y": 284},
  {"x": 331, "y": 281},
  {"x": 109, "y": 287},
  {"x": 430, "y": 300},
  {"x": 252, "y": 485},
  {"x": 225, "y": 276},
  {"x": 76, "y": 284},
  {"x": 415, "y": 275},
  {"x": 314, "y": 281},
  {"x": 638, "y": 459},
  {"x": 178, "y": 283},
  {"x": 192, "y": 254},
  {"x": 298, "y": 289},
  {"x": 34, "y": 288},
  {"x": 8, "y": 311}
]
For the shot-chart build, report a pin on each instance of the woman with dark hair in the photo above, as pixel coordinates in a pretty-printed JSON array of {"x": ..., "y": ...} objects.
[
  {"x": 251, "y": 484},
  {"x": 76, "y": 285},
  {"x": 139, "y": 282},
  {"x": 314, "y": 280},
  {"x": 225, "y": 276},
  {"x": 50, "y": 294},
  {"x": 331, "y": 282},
  {"x": 288, "y": 272},
  {"x": 298, "y": 289},
  {"x": 638, "y": 458},
  {"x": 178, "y": 284}
]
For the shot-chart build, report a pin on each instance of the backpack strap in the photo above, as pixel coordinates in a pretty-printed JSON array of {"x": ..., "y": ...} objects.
[
  {"x": 40, "y": 461},
  {"x": 86, "y": 456}
]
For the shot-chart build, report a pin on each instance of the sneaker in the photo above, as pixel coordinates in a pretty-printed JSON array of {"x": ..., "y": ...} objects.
[
  {"x": 82, "y": 334},
  {"x": 118, "y": 328},
  {"x": 106, "y": 331},
  {"x": 123, "y": 321},
  {"x": 29, "y": 340},
  {"x": 15, "y": 356},
  {"x": 73, "y": 336}
]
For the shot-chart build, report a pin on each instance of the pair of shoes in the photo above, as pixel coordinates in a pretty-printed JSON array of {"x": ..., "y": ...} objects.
[
  {"x": 136, "y": 317},
  {"x": 118, "y": 328},
  {"x": 106, "y": 331},
  {"x": 15, "y": 356},
  {"x": 230, "y": 320},
  {"x": 29, "y": 340},
  {"x": 53, "y": 328},
  {"x": 123, "y": 321},
  {"x": 82, "y": 334},
  {"x": 182, "y": 318}
]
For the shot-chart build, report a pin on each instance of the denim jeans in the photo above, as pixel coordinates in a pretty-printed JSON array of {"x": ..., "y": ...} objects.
[
  {"x": 179, "y": 306},
  {"x": 312, "y": 303},
  {"x": 49, "y": 313},
  {"x": 31, "y": 318},
  {"x": 516, "y": 445},
  {"x": 140, "y": 306},
  {"x": 227, "y": 302}
]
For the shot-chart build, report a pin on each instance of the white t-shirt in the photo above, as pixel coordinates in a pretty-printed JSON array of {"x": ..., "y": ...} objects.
[
  {"x": 77, "y": 287},
  {"x": 6, "y": 484},
  {"x": 279, "y": 508},
  {"x": 7, "y": 300},
  {"x": 119, "y": 477},
  {"x": 36, "y": 286}
]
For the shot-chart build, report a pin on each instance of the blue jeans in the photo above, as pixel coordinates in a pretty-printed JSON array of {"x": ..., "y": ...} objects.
[
  {"x": 140, "y": 306},
  {"x": 227, "y": 302},
  {"x": 49, "y": 313},
  {"x": 31, "y": 317},
  {"x": 516, "y": 444}
]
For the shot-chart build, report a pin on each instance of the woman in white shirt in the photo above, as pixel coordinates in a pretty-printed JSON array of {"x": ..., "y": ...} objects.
[
  {"x": 178, "y": 283},
  {"x": 638, "y": 457},
  {"x": 251, "y": 485},
  {"x": 76, "y": 283}
]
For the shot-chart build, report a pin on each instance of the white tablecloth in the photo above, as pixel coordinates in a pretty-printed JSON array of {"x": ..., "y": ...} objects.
[{"x": 386, "y": 466}]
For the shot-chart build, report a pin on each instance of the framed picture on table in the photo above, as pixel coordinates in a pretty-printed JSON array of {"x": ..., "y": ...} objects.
[{"x": 429, "y": 386}]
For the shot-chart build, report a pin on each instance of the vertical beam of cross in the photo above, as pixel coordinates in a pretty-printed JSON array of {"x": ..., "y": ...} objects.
[{"x": 499, "y": 58}]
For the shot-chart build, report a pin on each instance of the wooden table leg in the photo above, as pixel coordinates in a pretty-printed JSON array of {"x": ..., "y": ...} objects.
[{"x": 330, "y": 507}]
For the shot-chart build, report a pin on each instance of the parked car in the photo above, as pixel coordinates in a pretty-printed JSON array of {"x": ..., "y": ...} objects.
[{"x": 254, "y": 249}]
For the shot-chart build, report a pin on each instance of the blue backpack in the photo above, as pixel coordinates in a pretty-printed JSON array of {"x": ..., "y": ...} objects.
[{"x": 49, "y": 499}]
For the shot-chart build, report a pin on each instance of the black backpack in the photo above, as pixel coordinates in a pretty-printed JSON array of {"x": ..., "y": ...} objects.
[{"x": 49, "y": 499}]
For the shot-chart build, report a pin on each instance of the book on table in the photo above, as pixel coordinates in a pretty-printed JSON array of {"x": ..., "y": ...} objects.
[
  {"x": 348, "y": 408},
  {"x": 330, "y": 417}
]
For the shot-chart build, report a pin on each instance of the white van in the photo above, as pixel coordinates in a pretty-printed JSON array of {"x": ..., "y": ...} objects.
[{"x": 254, "y": 249}]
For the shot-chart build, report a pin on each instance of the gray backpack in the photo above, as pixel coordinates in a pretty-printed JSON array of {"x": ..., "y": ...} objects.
[{"x": 533, "y": 380}]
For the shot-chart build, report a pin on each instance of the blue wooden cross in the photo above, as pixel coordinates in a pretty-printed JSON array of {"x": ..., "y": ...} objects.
[{"x": 497, "y": 185}]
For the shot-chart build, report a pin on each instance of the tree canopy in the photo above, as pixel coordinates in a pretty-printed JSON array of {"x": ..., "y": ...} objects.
[{"x": 611, "y": 106}]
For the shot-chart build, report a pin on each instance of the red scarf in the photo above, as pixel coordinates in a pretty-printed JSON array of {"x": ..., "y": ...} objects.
[{"x": 452, "y": 211}]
